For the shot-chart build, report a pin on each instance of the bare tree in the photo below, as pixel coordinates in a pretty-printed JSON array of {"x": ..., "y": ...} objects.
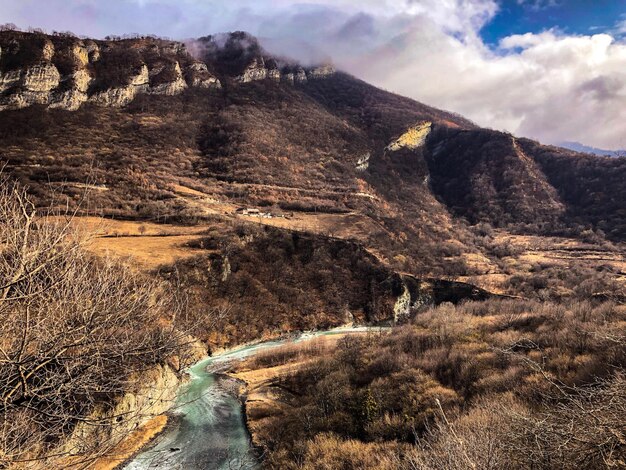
[{"x": 75, "y": 335}]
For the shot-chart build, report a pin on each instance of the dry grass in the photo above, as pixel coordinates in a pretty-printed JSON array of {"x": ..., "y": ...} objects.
[
  {"x": 263, "y": 372},
  {"x": 373, "y": 396},
  {"x": 145, "y": 245},
  {"x": 147, "y": 252},
  {"x": 185, "y": 191},
  {"x": 100, "y": 227}
]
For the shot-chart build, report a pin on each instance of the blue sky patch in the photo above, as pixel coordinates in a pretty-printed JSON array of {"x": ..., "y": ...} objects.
[{"x": 568, "y": 16}]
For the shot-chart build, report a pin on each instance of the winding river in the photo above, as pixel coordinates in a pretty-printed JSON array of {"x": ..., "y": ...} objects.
[{"x": 209, "y": 430}]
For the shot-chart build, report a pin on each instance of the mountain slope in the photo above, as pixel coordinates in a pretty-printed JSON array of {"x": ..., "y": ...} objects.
[{"x": 401, "y": 176}]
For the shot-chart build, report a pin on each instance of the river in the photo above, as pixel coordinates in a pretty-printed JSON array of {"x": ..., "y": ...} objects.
[{"x": 208, "y": 430}]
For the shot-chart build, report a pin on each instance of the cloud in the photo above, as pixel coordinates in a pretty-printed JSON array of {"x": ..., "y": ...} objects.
[
  {"x": 550, "y": 86},
  {"x": 538, "y": 5}
]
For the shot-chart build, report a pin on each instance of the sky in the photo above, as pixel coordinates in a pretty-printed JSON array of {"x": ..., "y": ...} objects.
[{"x": 553, "y": 70}]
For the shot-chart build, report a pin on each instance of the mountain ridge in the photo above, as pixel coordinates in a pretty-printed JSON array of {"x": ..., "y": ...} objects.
[{"x": 257, "y": 138}]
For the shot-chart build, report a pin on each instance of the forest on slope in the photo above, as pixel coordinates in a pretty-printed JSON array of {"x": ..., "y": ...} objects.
[{"x": 361, "y": 206}]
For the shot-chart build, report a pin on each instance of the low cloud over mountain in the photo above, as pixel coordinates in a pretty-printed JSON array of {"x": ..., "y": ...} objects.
[{"x": 551, "y": 85}]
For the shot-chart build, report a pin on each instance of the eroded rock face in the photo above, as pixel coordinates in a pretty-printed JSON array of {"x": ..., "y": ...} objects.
[
  {"x": 66, "y": 72},
  {"x": 170, "y": 88},
  {"x": 10, "y": 79},
  {"x": 300, "y": 76},
  {"x": 48, "y": 51},
  {"x": 324, "y": 71},
  {"x": 413, "y": 138},
  {"x": 81, "y": 54},
  {"x": 155, "y": 398},
  {"x": 93, "y": 51},
  {"x": 41, "y": 78},
  {"x": 31, "y": 86},
  {"x": 274, "y": 74},
  {"x": 363, "y": 163},
  {"x": 253, "y": 72},
  {"x": 402, "y": 307},
  {"x": 199, "y": 76},
  {"x": 160, "y": 68},
  {"x": 121, "y": 96},
  {"x": 153, "y": 395},
  {"x": 76, "y": 95}
]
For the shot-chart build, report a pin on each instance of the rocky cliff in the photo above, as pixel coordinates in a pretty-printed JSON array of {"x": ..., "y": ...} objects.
[
  {"x": 105, "y": 433},
  {"x": 65, "y": 72},
  {"x": 240, "y": 56}
]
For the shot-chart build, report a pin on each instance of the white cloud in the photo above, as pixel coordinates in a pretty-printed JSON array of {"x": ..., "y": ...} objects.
[
  {"x": 539, "y": 4},
  {"x": 549, "y": 86}
]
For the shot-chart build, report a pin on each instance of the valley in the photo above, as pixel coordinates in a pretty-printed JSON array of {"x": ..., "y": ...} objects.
[{"x": 213, "y": 257}]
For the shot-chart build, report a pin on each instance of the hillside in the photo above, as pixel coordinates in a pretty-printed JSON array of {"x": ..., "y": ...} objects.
[
  {"x": 233, "y": 127},
  {"x": 248, "y": 198}
]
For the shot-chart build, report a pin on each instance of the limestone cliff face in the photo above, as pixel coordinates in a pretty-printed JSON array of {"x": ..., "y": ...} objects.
[
  {"x": 172, "y": 87},
  {"x": 300, "y": 76},
  {"x": 274, "y": 74},
  {"x": 363, "y": 163},
  {"x": 198, "y": 75},
  {"x": 324, "y": 71},
  {"x": 413, "y": 138},
  {"x": 65, "y": 72},
  {"x": 29, "y": 86},
  {"x": 121, "y": 96},
  {"x": 256, "y": 70},
  {"x": 72, "y": 98}
]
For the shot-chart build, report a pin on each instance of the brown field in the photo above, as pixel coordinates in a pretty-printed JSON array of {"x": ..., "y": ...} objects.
[
  {"x": 149, "y": 245},
  {"x": 146, "y": 245},
  {"x": 147, "y": 252}
]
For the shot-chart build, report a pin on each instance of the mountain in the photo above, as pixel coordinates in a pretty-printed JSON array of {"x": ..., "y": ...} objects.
[
  {"x": 250, "y": 198},
  {"x": 578, "y": 147},
  {"x": 137, "y": 119}
]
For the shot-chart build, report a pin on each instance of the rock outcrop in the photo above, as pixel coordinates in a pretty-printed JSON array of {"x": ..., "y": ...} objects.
[
  {"x": 256, "y": 70},
  {"x": 300, "y": 76},
  {"x": 29, "y": 86},
  {"x": 324, "y": 71},
  {"x": 121, "y": 96},
  {"x": 363, "y": 163},
  {"x": 169, "y": 87},
  {"x": 65, "y": 72},
  {"x": 198, "y": 75},
  {"x": 402, "y": 307},
  {"x": 135, "y": 408},
  {"x": 72, "y": 98},
  {"x": 274, "y": 74},
  {"x": 413, "y": 138},
  {"x": 154, "y": 395}
]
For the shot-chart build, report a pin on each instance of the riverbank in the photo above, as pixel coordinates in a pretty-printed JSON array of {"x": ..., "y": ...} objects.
[
  {"x": 132, "y": 444},
  {"x": 263, "y": 396},
  {"x": 211, "y": 431}
]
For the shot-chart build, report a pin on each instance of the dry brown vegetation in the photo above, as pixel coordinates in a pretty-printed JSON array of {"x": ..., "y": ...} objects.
[
  {"x": 533, "y": 383},
  {"x": 76, "y": 334},
  {"x": 269, "y": 282},
  {"x": 496, "y": 384}
]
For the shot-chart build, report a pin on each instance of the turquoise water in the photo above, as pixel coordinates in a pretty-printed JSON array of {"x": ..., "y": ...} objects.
[{"x": 209, "y": 431}]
